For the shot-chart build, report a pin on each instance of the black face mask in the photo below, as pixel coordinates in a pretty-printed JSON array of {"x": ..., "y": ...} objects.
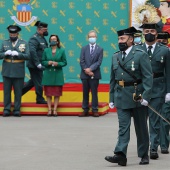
[
  {"x": 53, "y": 43},
  {"x": 164, "y": 43},
  {"x": 149, "y": 37},
  {"x": 123, "y": 46},
  {"x": 13, "y": 39},
  {"x": 45, "y": 33}
]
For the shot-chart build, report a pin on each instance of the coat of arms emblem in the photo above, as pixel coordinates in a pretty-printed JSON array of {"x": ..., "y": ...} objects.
[{"x": 24, "y": 12}]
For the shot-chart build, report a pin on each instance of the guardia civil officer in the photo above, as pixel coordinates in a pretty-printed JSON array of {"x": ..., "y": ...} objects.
[
  {"x": 37, "y": 44},
  {"x": 165, "y": 127},
  {"x": 159, "y": 56},
  {"x": 14, "y": 52},
  {"x": 163, "y": 38},
  {"x": 131, "y": 76}
]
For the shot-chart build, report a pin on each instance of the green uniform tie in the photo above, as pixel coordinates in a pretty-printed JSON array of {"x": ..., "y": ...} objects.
[{"x": 150, "y": 52}]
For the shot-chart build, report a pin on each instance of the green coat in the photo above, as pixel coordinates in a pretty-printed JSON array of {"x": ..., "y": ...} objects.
[
  {"x": 160, "y": 62},
  {"x": 123, "y": 97},
  {"x": 53, "y": 75},
  {"x": 37, "y": 44},
  {"x": 14, "y": 70}
]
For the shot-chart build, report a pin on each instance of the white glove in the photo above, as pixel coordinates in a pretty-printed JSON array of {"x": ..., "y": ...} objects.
[
  {"x": 111, "y": 105},
  {"x": 167, "y": 97},
  {"x": 8, "y": 52},
  {"x": 144, "y": 102},
  {"x": 14, "y": 53},
  {"x": 39, "y": 66}
]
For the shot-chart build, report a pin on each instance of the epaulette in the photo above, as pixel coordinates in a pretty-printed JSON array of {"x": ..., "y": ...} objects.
[
  {"x": 35, "y": 35},
  {"x": 22, "y": 40},
  {"x": 163, "y": 45},
  {"x": 138, "y": 49}
]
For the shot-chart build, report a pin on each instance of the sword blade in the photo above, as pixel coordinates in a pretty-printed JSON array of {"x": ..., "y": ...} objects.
[{"x": 150, "y": 107}]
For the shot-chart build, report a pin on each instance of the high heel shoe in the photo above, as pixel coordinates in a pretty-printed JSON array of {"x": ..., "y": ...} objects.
[
  {"x": 55, "y": 113},
  {"x": 49, "y": 113}
]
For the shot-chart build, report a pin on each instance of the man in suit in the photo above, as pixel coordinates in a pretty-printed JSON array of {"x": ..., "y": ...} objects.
[
  {"x": 14, "y": 52},
  {"x": 159, "y": 56},
  {"x": 37, "y": 44},
  {"x": 131, "y": 76},
  {"x": 90, "y": 60}
]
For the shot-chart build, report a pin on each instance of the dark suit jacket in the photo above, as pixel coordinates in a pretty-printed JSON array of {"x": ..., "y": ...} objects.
[{"x": 91, "y": 61}]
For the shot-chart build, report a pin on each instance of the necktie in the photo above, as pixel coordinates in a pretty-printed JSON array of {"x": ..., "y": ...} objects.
[
  {"x": 123, "y": 55},
  {"x": 92, "y": 50},
  {"x": 149, "y": 51}
]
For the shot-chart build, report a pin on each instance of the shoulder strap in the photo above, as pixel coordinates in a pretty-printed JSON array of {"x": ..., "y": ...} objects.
[{"x": 134, "y": 77}]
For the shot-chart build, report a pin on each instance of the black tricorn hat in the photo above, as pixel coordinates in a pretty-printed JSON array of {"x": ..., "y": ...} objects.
[
  {"x": 13, "y": 29},
  {"x": 128, "y": 31},
  {"x": 41, "y": 24},
  {"x": 163, "y": 35},
  {"x": 138, "y": 33},
  {"x": 149, "y": 26}
]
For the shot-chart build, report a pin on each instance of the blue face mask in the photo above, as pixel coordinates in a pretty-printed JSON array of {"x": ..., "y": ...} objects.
[
  {"x": 137, "y": 40},
  {"x": 92, "y": 40}
]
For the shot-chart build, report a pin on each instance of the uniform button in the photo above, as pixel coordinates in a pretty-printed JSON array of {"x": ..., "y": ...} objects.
[{"x": 122, "y": 73}]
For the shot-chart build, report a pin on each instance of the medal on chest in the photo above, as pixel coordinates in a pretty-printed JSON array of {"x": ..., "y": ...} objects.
[{"x": 132, "y": 66}]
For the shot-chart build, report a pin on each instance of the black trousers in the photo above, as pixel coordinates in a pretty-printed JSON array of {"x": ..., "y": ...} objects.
[
  {"x": 90, "y": 85},
  {"x": 36, "y": 79},
  {"x": 17, "y": 85}
]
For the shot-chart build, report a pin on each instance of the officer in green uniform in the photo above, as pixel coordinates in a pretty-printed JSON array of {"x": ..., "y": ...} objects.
[
  {"x": 165, "y": 127},
  {"x": 37, "y": 44},
  {"x": 14, "y": 52},
  {"x": 131, "y": 75},
  {"x": 159, "y": 56},
  {"x": 163, "y": 38}
]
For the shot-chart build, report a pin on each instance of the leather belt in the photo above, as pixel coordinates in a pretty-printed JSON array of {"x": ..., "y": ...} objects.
[
  {"x": 156, "y": 75},
  {"x": 13, "y": 61},
  {"x": 123, "y": 83}
]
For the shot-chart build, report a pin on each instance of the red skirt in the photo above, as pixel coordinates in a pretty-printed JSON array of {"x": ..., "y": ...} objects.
[{"x": 53, "y": 90}]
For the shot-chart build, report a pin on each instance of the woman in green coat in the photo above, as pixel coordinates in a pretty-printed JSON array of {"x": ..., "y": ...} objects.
[{"x": 54, "y": 59}]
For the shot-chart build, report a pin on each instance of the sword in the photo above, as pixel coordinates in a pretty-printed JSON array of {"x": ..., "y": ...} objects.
[
  {"x": 138, "y": 98},
  {"x": 150, "y": 107}
]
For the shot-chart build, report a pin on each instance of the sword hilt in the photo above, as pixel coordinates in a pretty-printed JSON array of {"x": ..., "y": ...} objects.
[{"x": 137, "y": 98}]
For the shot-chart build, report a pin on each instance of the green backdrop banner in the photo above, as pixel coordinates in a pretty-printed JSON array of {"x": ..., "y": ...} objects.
[{"x": 71, "y": 20}]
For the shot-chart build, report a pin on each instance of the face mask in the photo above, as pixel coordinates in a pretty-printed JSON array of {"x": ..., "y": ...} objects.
[
  {"x": 53, "y": 43},
  {"x": 123, "y": 46},
  {"x": 92, "y": 40},
  {"x": 13, "y": 38},
  {"x": 45, "y": 33},
  {"x": 137, "y": 40},
  {"x": 164, "y": 43},
  {"x": 149, "y": 37}
]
